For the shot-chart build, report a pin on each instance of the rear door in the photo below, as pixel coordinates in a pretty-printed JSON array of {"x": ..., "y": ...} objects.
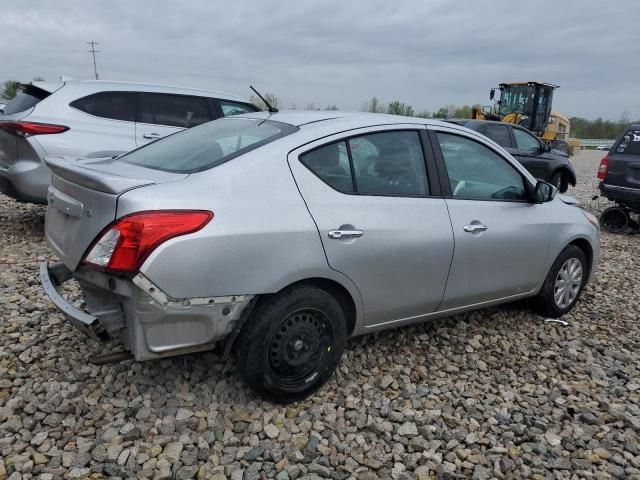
[
  {"x": 501, "y": 239},
  {"x": 379, "y": 217},
  {"x": 106, "y": 124},
  {"x": 499, "y": 134},
  {"x": 624, "y": 160},
  {"x": 162, "y": 114}
]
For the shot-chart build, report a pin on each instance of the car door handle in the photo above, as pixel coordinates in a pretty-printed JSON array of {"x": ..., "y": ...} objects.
[
  {"x": 339, "y": 234},
  {"x": 151, "y": 136},
  {"x": 475, "y": 227}
]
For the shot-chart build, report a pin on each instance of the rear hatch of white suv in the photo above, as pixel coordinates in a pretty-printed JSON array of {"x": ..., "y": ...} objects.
[{"x": 15, "y": 130}]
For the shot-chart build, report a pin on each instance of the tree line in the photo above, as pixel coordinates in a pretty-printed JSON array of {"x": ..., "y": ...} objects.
[{"x": 580, "y": 127}]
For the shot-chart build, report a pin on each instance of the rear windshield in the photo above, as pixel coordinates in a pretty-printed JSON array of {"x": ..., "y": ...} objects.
[
  {"x": 208, "y": 145},
  {"x": 629, "y": 143},
  {"x": 26, "y": 99}
]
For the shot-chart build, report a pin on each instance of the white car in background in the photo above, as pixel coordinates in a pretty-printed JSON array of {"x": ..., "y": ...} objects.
[{"x": 94, "y": 119}]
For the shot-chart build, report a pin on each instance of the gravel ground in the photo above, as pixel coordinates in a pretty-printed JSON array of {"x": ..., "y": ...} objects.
[{"x": 492, "y": 394}]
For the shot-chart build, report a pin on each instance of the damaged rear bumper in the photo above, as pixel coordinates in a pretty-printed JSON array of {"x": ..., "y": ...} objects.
[
  {"x": 147, "y": 322},
  {"x": 51, "y": 276}
]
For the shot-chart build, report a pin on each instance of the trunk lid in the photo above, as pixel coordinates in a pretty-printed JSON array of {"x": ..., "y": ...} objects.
[
  {"x": 623, "y": 169},
  {"x": 83, "y": 200}
]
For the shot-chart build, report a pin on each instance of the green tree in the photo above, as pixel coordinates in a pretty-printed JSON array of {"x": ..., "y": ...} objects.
[
  {"x": 399, "y": 108},
  {"x": 9, "y": 89},
  {"x": 269, "y": 97},
  {"x": 373, "y": 106}
]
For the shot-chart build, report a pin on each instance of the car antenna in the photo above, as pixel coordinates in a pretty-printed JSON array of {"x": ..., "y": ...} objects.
[{"x": 269, "y": 107}]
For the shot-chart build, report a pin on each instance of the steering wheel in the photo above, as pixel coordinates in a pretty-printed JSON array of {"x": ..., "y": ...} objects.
[{"x": 507, "y": 193}]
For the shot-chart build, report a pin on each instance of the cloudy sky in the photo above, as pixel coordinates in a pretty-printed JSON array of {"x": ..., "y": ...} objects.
[{"x": 427, "y": 53}]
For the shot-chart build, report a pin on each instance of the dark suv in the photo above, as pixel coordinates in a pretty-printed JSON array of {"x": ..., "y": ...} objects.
[
  {"x": 620, "y": 175},
  {"x": 543, "y": 162},
  {"x": 620, "y": 170}
]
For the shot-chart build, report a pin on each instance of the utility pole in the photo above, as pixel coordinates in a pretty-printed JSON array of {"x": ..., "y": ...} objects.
[{"x": 94, "y": 51}]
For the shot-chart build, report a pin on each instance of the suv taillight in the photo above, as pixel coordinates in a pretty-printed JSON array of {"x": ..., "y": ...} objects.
[
  {"x": 602, "y": 169},
  {"x": 126, "y": 244},
  {"x": 26, "y": 129}
]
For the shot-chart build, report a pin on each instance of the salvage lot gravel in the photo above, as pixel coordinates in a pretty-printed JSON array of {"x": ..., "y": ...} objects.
[{"x": 497, "y": 393}]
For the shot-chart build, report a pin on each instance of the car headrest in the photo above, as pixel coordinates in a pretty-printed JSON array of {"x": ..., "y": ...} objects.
[{"x": 394, "y": 159}]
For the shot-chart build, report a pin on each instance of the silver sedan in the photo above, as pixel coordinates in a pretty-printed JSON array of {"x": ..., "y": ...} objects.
[{"x": 278, "y": 236}]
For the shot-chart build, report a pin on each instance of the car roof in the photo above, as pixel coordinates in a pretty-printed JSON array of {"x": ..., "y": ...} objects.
[
  {"x": 300, "y": 118},
  {"x": 93, "y": 86}
]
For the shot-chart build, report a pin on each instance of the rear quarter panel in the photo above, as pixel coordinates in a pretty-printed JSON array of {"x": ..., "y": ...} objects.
[{"x": 261, "y": 239}]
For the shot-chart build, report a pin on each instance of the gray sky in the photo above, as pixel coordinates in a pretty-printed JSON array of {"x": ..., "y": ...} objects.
[{"x": 427, "y": 53}]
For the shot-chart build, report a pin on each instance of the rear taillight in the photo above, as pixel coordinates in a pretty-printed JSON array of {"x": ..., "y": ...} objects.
[
  {"x": 26, "y": 129},
  {"x": 602, "y": 169},
  {"x": 125, "y": 245}
]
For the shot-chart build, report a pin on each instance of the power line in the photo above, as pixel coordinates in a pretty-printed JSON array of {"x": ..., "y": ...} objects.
[{"x": 93, "y": 52}]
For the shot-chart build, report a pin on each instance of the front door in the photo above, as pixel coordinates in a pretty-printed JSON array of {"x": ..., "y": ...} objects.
[
  {"x": 370, "y": 197},
  {"x": 501, "y": 238},
  {"x": 530, "y": 153}
]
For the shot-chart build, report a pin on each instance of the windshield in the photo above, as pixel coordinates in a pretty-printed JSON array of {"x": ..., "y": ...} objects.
[
  {"x": 516, "y": 99},
  {"x": 207, "y": 145}
]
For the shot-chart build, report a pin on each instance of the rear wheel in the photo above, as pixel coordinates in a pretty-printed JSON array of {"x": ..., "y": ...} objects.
[
  {"x": 292, "y": 344},
  {"x": 614, "y": 219},
  {"x": 564, "y": 283}
]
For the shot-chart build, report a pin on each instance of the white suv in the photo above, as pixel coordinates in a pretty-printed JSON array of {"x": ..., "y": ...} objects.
[{"x": 94, "y": 119}]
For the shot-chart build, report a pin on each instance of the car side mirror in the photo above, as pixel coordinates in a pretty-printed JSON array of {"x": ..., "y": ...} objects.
[
  {"x": 544, "y": 192},
  {"x": 492, "y": 93}
]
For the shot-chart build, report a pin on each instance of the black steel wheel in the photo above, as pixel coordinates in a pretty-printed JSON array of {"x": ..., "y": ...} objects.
[
  {"x": 614, "y": 219},
  {"x": 298, "y": 345},
  {"x": 292, "y": 344}
]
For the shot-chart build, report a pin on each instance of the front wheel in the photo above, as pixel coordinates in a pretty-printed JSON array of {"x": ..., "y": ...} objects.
[
  {"x": 564, "y": 283},
  {"x": 560, "y": 181},
  {"x": 292, "y": 344}
]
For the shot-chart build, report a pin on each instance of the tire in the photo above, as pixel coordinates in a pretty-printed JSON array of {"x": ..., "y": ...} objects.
[
  {"x": 560, "y": 181},
  {"x": 614, "y": 220},
  {"x": 292, "y": 344},
  {"x": 546, "y": 302}
]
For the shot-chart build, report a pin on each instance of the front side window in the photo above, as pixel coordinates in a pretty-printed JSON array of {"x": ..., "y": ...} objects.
[
  {"x": 233, "y": 108},
  {"x": 176, "y": 110},
  {"x": 112, "y": 105},
  {"x": 477, "y": 172},
  {"x": 208, "y": 145},
  {"x": 498, "y": 133},
  {"x": 526, "y": 141},
  {"x": 386, "y": 163}
]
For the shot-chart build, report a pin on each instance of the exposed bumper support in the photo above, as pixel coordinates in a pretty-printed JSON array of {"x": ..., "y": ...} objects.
[{"x": 56, "y": 274}]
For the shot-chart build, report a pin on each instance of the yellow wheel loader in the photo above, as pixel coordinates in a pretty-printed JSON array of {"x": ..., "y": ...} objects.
[{"x": 528, "y": 104}]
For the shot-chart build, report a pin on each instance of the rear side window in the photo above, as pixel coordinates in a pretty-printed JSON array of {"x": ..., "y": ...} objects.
[
  {"x": 175, "y": 110},
  {"x": 233, "y": 108},
  {"x": 629, "y": 143},
  {"x": 26, "y": 99},
  {"x": 499, "y": 134},
  {"x": 331, "y": 164},
  {"x": 207, "y": 146},
  {"x": 386, "y": 163},
  {"x": 112, "y": 105}
]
